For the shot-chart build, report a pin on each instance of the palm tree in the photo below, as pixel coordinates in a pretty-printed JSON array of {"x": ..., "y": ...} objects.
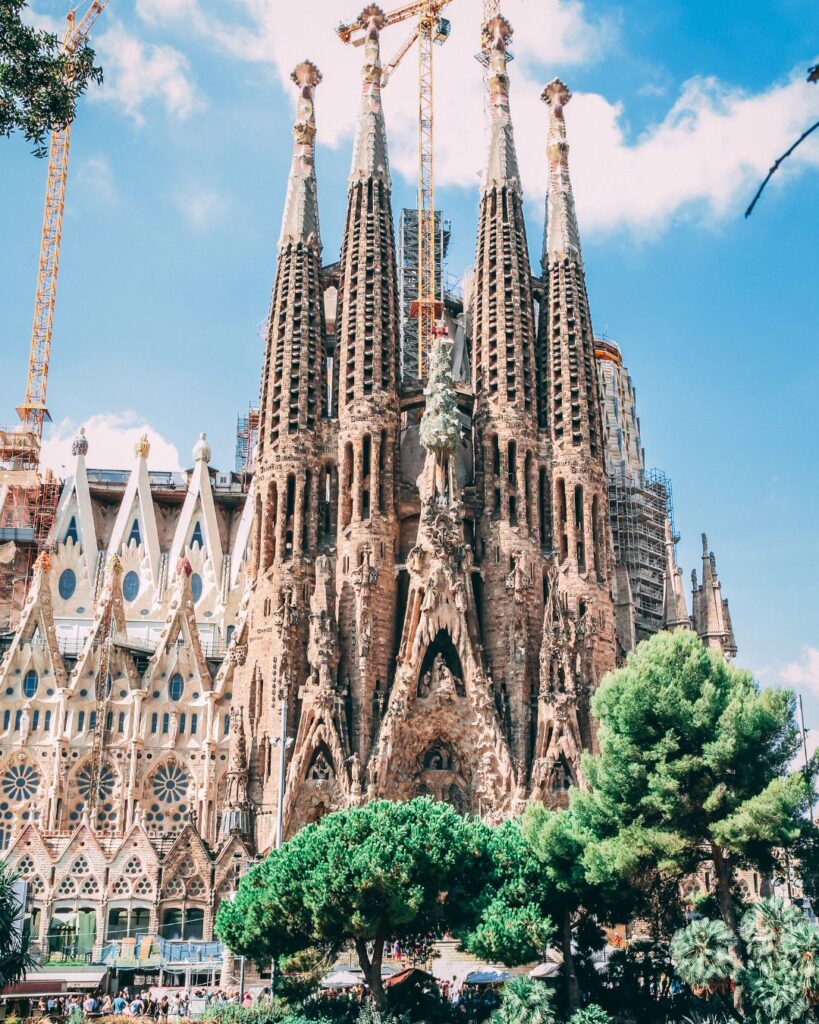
[
  {"x": 524, "y": 1001},
  {"x": 765, "y": 926},
  {"x": 702, "y": 956},
  {"x": 801, "y": 945},
  {"x": 15, "y": 958}
]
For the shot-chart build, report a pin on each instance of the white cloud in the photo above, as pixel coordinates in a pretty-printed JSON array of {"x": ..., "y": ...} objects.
[
  {"x": 137, "y": 74},
  {"x": 111, "y": 440},
  {"x": 804, "y": 672},
  {"x": 97, "y": 178},
  {"x": 201, "y": 205},
  {"x": 704, "y": 157},
  {"x": 44, "y": 21}
]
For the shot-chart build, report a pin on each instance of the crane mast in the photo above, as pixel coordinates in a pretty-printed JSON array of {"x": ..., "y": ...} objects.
[
  {"x": 34, "y": 412},
  {"x": 430, "y": 29}
]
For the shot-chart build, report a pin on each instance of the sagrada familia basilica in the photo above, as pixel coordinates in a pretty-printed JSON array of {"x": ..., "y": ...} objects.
[{"x": 416, "y": 591}]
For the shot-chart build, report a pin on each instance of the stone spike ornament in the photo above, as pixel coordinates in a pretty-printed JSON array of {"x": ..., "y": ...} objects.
[
  {"x": 562, "y": 237},
  {"x": 370, "y": 159},
  {"x": 502, "y": 162},
  {"x": 300, "y": 222}
]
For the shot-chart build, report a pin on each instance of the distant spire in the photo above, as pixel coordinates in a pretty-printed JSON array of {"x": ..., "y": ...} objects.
[
  {"x": 675, "y": 612},
  {"x": 502, "y": 162},
  {"x": 300, "y": 222},
  {"x": 562, "y": 238},
  {"x": 711, "y": 618},
  {"x": 370, "y": 159}
]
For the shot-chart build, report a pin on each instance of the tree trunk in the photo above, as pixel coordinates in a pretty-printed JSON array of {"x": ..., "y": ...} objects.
[
  {"x": 569, "y": 974},
  {"x": 729, "y": 917},
  {"x": 372, "y": 968}
]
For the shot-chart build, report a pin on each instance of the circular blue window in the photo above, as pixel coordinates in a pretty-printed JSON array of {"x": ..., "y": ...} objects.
[
  {"x": 196, "y": 586},
  {"x": 176, "y": 686},
  {"x": 67, "y": 584},
  {"x": 30, "y": 683},
  {"x": 130, "y": 586}
]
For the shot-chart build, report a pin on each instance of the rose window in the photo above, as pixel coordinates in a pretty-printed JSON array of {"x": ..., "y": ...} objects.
[
  {"x": 133, "y": 867},
  {"x": 20, "y": 782},
  {"x": 67, "y": 887},
  {"x": 90, "y": 887},
  {"x": 196, "y": 888},
  {"x": 106, "y": 807},
  {"x": 143, "y": 887},
  {"x": 25, "y": 867},
  {"x": 169, "y": 808},
  {"x": 121, "y": 887},
  {"x": 80, "y": 866},
  {"x": 187, "y": 868},
  {"x": 173, "y": 889}
]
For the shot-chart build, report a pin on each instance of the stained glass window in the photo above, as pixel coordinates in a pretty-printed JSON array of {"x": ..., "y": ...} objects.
[
  {"x": 30, "y": 683},
  {"x": 106, "y": 806},
  {"x": 20, "y": 782}
]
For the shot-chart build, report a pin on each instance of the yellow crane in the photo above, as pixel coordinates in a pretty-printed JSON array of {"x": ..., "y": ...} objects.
[
  {"x": 33, "y": 412},
  {"x": 429, "y": 29}
]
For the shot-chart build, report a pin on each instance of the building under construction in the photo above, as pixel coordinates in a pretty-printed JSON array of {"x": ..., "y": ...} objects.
[
  {"x": 402, "y": 591},
  {"x": 640, "y": 500}
]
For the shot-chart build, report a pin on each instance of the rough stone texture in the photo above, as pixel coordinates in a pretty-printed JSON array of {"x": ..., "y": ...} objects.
[{"x": 429, "y": 597}]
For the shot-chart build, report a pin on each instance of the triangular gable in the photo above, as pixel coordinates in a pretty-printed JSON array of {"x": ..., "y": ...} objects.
[
  {"x": 181, "y": 619},
  {"x": 75, "y": 510},
  {"x": 37, "y": 619},
  {"x": 91, "y": 850},
  {"x": 18, "y": 849},
  {"x": 135, "y": 842},
  {"x": 199, "y": 508},
  {"x": 111, "y": 596},
  {"x": 137, "y": 503},
  {"x": 187, "y": 843}
]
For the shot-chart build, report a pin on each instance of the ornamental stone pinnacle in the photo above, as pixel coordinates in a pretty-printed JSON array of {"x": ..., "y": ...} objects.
[
  {"x": 562, "y": 235},
  {"x": 300, "y": 221},
  {"x": 201, "y": 450},
  {"x": 142, "y": 449},
  {"x": 79, "y": 446}
]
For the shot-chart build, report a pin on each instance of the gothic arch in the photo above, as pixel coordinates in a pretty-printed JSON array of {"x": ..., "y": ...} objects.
[
  {"x": 78, "y": 794},
  {"x": 169, "y": 793}
]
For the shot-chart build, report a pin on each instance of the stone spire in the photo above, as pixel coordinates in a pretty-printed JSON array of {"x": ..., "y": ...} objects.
[
  {"x": 290, "y": 392},
  {"x": 366, "y": 332},
  {"x": 370, "y": 159},
  {"x": 501, "y": 162},
  {"x": 675, "y": 612},
  {"x": 300, "y": 221},
  {"x": 562, "y": 238},
  {"x": 569, "y": 395},
  {"x": 510, "y": 460},
  {"x": 712, "y": 620},
  {"x": 503, "y": 325}
]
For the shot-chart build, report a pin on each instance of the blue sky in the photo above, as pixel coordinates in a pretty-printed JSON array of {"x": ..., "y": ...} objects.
[{"x": 178, "y": 171}]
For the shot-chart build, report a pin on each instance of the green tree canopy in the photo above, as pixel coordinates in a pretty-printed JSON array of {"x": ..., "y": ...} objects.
[
  {"x": 692, "y": 767},
  {"x": 366, "y": 875},
  {"x": 39, "y": 84}
]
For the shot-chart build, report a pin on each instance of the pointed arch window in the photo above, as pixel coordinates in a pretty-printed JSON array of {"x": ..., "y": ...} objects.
[
  {"x": 135, "y": 534},
  {"x": 71, "y": 531},
  {"x": 196, "y": 535},
  {"x": 30, "y": 683}
]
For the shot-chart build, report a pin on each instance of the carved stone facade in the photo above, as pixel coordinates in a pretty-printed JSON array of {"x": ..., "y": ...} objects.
[{"x": 416, "y": 593}]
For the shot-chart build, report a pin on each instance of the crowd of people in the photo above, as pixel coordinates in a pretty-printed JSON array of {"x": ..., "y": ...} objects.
[{"x": 158, "y": 1004}]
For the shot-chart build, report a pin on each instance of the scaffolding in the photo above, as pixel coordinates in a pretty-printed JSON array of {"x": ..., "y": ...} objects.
[
  {"x": 247, "y": 434},
  {"x": 408, "y": 283},
  {"x": 638, "y": 509}
]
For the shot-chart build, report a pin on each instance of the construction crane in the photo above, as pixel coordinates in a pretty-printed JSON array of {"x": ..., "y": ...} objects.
[
  {"x": 34, "y": 412},
  {"x": 102, "y": 690},
  {"x": 430, "y": 28}
]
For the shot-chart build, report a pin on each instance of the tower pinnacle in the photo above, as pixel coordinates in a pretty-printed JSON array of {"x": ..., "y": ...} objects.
[
  {"x": 502, "y": 162},
  {"x": 370, "y": 158},
  {"x": 300, "y": 222},
  {"x": 562, "y": 237}
]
